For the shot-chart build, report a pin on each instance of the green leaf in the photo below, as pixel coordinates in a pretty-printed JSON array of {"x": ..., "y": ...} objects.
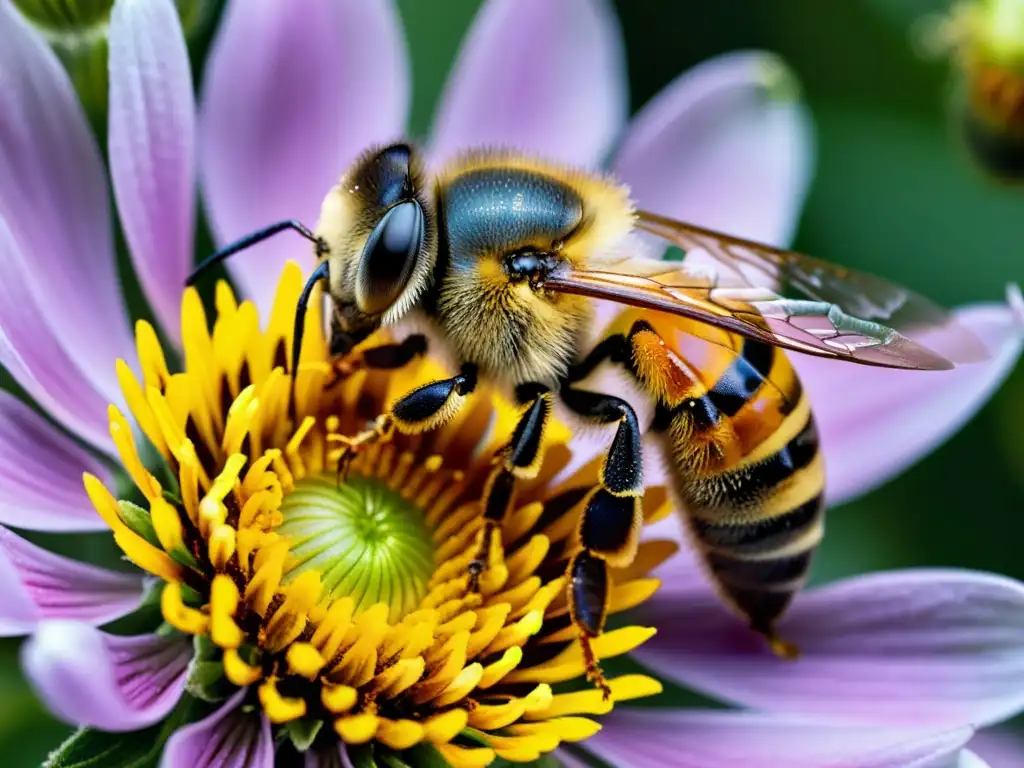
[
  {"x": 89, "y": 748},
  {"x": 303, "y": 731},
  {"x": 139, "y": 520}
]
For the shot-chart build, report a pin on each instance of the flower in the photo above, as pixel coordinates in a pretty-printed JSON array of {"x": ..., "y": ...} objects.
[
  {"x": 329, "y": 604},
  {"x": 286, "y": 104}
]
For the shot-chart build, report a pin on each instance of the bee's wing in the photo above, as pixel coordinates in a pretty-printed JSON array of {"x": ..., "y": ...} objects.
[{"x": 736, "y": 289}]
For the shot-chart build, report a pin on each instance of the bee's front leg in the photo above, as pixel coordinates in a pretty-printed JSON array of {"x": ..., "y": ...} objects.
[
  {"x": 384, "y": 357},
  {"x": 519, "y": 459}
]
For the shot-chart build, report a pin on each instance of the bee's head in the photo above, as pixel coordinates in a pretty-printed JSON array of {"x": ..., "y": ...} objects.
[{"x": 378, "y": 229}]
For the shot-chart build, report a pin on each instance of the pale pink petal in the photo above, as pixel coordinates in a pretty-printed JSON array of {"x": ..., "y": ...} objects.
[
  {"x": 728, "y": 145},
  {"x": 37, "y": 585},
  {"x": 875, "y": 422},
  {"x": 41, "y": 473},
  {"x": 920, "y": 647},
  {"x": 53, "y": 196},
  {"x": 34, "y": 356},
  {"x": 293, "y": 92},
  {"x": 697, "y": 739},
  {"x": 999, "y": 747},
  {"x": 542, "y": 77},
  {"x": 88, "y": 677},
  {"x": 229, "y": 738},
  {"x": 151, "y": 138}
]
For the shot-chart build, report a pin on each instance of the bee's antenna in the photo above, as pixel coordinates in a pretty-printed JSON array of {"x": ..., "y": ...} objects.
[
  {"x": 320, "y": 273},
  {"x": 251, "y": 239}
]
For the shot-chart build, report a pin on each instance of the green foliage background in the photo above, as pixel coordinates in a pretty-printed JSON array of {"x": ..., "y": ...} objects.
[{"x": 892, "y": 193}]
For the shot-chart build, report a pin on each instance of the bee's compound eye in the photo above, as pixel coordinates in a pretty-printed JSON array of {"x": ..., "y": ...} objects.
[{"x": 389, "y": 257}]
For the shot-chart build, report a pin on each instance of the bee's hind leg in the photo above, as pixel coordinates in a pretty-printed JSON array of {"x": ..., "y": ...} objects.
[
  {"x": 609, "y": 528},
  {"x": 519, "y": 459}
]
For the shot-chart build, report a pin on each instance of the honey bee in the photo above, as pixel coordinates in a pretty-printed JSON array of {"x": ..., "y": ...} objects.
[
  {"x": 501, "y": 258},
  {"x": 986, "y": 41}
]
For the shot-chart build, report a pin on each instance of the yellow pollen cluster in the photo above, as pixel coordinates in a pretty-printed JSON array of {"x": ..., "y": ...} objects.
[{"x": 468, "y": 674}]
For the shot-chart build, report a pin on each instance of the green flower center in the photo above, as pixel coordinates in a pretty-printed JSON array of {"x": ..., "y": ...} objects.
[{"x": 365, "y": 540}]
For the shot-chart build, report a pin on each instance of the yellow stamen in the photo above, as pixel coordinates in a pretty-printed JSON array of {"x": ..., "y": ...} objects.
[
  {"x": 356, "y": 729},
  {"x": 304, "y": 660},
  {"x": 338, "y": 698},
  {"x": 223, "y": 604},
  {"x": 178, "y": 615},
  {"x": 237, "y": 671},
  {"x": 278, "y": 708}
]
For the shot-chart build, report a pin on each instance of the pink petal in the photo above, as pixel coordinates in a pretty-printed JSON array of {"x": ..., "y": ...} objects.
[
  {"x": 41, "y": 473},
  {"x": 151, "y": 139},
  {"x": 34, "y": 356},
  {"x": 38, "y": 585},
  {"x": 53, "y": 196},
  {"x": 935, "y": 648},
  {"x": 546, "y": 78},
  {"x": 999, "y": 747},
  {"x": 292, "y": 93},
  {"x": 696, "y": 739},
  {"x": 91, "y": 678},
  {"x": 864, "y": 444},
  {"x": 727, "y": 145},
  {"x": 229, "y": 738}
]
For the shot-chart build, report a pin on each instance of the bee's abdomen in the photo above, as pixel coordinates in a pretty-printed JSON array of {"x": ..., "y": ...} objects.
[
  {"x": 760, "y": 533},
  {"x": 752, "y": 480}
]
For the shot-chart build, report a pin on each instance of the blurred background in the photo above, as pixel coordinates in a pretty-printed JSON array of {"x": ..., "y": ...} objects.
[{"x": 892, "y": 193}]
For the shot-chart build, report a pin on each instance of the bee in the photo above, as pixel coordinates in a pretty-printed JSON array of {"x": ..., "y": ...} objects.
[
  {"x": 502, "y": 259},
  {"x": 985, "y": 39}
]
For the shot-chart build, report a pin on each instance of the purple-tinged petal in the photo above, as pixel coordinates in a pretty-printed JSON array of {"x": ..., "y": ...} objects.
[
  {"x": 53, "y": 195},
  {"x": 919, "y": 647},
  {"x": 293, "y": 93},
  {"x": 999, "y": 747},
  {"x": 38, "y": 585},
  {"x": 87, "y": 677},
  {"x": 229, "y": 738},
  {"x": 970, "y": 759},
  {"x": 864, "y": 444},
  {"x": 695, "y": 739},
  {"x": 151, "y": 139},
  {"x": 727, "y": 145},
  {"x": 41, "y": 473},
  {"x": 542, "y": 77},
  {"x": 36, "y": 359}
]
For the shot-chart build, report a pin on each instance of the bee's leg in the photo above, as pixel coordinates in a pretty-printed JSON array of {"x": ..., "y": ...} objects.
[
  {"x": 519, "y": 459},
  {"x": 609, "y": 529},
  {"x": 384, "y": 357},
  {"x": 426, "y": 407},
  {"x": 588, "y": 607}
]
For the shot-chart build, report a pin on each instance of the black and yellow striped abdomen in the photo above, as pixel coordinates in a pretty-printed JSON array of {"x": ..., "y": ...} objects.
[{"x": 741, "y": 442}]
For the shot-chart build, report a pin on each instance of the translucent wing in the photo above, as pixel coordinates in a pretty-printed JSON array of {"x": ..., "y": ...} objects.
[{"x": 734, "y": 284}]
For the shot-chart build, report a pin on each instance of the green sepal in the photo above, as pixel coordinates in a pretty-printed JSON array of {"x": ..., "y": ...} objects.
[
  {"x": 89, "y": 748},
  {"x": 139, "y": 520},
  {"x": 182, "y": 556},
  {"x": 362, "y": 756},
  {"x": 425, "y": 755},
  {"x": 385, "y": 757},
  {"x": 303, "y": 731},
  {"x": 206, "y": 679}
]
